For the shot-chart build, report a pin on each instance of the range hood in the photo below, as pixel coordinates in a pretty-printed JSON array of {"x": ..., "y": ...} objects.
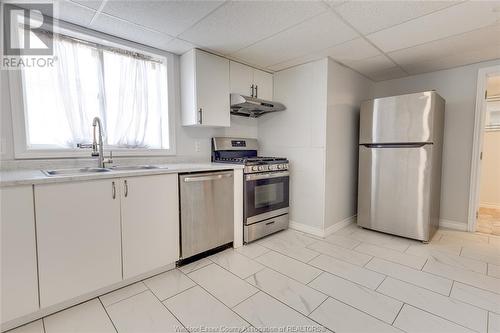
[{"x": 247, "y": 106}]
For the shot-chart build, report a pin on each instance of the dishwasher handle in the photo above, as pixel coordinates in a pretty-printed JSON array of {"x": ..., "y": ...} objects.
[{"x": 205, "y": 178}]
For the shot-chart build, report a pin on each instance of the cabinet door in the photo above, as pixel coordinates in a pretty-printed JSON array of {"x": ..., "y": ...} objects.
[
  {"x": 79, "y": 243},
  {"x": 240, "y": 78},
  {"x": 212, "y": 89},
  {"x": 264, "y": 83},
  {"x": 19, "y": 270},
  {"x": 150, "y": 223}
]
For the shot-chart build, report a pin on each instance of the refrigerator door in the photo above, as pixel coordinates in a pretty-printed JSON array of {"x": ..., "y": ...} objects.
[
  {"x": 394, "y": 189},
  {"x": 398, "y": 119}
]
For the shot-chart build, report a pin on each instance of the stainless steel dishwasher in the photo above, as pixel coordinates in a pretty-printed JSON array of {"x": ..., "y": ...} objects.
[{"x": 207, "y": 206}]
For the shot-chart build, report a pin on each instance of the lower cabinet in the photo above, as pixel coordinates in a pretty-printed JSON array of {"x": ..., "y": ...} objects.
[
  {"x": 79, "y": 242},
  {"x": 96, "y": 233},
  {"x": 19, "y": 286},
  {"x": 150, "y": 223}
]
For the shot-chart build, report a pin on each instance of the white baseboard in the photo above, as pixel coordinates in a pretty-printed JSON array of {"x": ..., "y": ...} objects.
[
  {"x": 455, "y": 225},
  {"x": 489, "y": 205},
  {"x": 339, "y": 225},
  {"x": 317, "y": 231}
]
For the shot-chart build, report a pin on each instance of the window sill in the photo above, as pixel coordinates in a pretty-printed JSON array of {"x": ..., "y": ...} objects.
[{"x": 86, "y": 153}]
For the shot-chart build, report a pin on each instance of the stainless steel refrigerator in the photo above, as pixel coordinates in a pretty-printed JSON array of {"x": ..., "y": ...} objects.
[{"x": 400, "y": 148}]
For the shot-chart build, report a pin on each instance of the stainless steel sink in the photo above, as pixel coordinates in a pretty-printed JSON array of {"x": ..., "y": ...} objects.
[
  {"x": 136, "y": 167},
  {"x": 69, "y": 172}
]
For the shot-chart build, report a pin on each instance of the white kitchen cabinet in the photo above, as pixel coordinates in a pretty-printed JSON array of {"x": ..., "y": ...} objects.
[
  {"x": 264, "y": 84},
  {"x": 78, "y": 234},
  {"x": 204, "y": 89},
  {"x": 19, "y": 285},
  {"x": 249, "y": 81},
  {"x": 150, "y": 223},
  {"x": 241, "y": 79}
]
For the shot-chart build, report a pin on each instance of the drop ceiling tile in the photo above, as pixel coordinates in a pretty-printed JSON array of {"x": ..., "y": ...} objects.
[
  {"x": 458, "y": 44},
  {"x": 310, "y": 36},
  {"x": 238, "y": 24},
  {"x": 126, "y": 30},
  {"x": 69, "y": 12},
  {"x": 171, "y": 17},
  {"x": 352, "y": 50},
  {"x": 94, "y": 4},
  {"x": 179, "y": 46},
  {"x": 295, "y": 62},
  {"x": 371, "y": 16},
  {"x": 444, "y": 23},
  {"x": 370, "y": 65},
  {"x": 455, "y": 60},
  {"x": 387, "y": 74},
  {"x": 356, "y": 49}
]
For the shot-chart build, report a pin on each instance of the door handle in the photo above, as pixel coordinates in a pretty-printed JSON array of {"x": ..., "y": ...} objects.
[
  {"x": 113, "y": 190},
  {"x": 126, "y": 188},
  {"x": 200, "y": 116},
  {"x": 256, "y": 91},
  {"x": 205, "y": 178},
  {"x": 271, "y": 222},
  {"x": 252, "y": 89}
]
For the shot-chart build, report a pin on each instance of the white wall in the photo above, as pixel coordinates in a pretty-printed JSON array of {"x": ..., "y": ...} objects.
[
  {"x": 318, "y": 133},
  {"x": 458, "y": 88},
  {"x": 489, "y": 194},
  {"x": 298, "y": 133},
  {"x": 346, "y": 90}
]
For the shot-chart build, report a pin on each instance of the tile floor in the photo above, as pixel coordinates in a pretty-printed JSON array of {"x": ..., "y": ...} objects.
[
  {"x": 488, "y": 221},
  {"x": 355, "y": 280}
]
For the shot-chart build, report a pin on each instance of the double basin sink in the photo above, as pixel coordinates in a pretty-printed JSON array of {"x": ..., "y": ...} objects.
[{"x": 82, "y": 171}]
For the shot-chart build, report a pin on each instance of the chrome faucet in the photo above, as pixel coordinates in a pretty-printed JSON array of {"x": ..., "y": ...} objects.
[{"x": 97, "y": 147}]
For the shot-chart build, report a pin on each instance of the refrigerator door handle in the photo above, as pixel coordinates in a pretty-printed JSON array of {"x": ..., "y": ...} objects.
[{"x": 395, "y": 145}]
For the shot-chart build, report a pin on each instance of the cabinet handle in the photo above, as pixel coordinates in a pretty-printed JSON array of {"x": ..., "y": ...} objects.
[
  {"x": 256, "y": 91},
  {"x": 114, "y": 190},
  {"x": 200, "y": 115},
  {"x": 126, "y": 189},
  {"x": 252, "y": 89}
]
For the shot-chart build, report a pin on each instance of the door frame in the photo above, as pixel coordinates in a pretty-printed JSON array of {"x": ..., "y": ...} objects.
[{"x": 477, "y": 146}]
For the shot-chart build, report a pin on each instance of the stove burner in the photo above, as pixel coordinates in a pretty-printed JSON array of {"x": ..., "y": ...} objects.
[{"x": 252, "y": 160}]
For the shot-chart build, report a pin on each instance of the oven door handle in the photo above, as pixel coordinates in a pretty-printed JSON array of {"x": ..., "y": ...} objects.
[{"x": 267, "y": 175}]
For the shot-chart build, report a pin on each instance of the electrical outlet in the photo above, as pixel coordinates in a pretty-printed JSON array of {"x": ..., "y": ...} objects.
[{"x": 197, "y": 147}]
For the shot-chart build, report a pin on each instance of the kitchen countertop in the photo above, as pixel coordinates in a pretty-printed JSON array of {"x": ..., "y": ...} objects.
[{"x": 34, "y": 177}]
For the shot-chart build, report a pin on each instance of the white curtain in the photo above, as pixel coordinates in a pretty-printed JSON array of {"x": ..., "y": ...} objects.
[
  {"x": 134, "y": 100},
  {"x": 129, "y": 94},
  {"x": 79, "y": 79}
]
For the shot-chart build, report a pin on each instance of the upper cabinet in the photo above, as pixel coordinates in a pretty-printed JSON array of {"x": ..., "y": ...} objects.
[
  {"x": 251, "y": 82},
  {"x": 204, "y": 89}
]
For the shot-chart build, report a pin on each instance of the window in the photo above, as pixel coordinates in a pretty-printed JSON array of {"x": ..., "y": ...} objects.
[{"x": 126, "y": 88}]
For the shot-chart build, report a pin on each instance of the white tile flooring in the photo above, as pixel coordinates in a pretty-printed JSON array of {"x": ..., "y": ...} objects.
[{"x": 355, "y": 280}]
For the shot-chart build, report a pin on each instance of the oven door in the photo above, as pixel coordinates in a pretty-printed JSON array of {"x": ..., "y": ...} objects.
[{"x": 266, "y": 195}]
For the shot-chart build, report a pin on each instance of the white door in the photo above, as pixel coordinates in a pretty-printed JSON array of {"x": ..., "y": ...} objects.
[
  {"x": 212, "y": 89},
  {"x": 150, "y": 223},
  {"x": 241, "y": 79},
  {"x": 19, "y": 287},
  {"x": 79, "y": 243},
  {"x": 264, "y": 83}
]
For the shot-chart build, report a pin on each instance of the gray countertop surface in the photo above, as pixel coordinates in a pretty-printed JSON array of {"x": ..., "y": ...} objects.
[{"x": 34, "y": 177}]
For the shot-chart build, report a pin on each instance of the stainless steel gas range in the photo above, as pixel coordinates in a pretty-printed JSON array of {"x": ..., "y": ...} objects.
[{"x": 266, "y": 186}]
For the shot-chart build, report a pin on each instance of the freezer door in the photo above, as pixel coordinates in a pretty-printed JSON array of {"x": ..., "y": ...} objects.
[
  {"x": 394, "y": 189},
  {"x": 398, "y": 119}
]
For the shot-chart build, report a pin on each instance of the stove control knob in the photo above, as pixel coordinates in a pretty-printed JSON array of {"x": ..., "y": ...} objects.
[
  {"x": 280, "y": 166},
  {"x": 261, "y": 168},
  {"x": 273, "y": 167},
  {"x": 255, "y": 168}
]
